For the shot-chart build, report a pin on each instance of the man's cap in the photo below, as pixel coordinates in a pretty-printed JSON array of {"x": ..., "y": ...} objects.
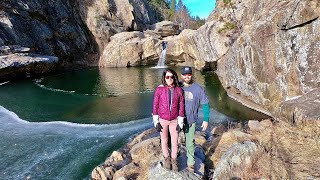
[{"x": 186, "y": 70}]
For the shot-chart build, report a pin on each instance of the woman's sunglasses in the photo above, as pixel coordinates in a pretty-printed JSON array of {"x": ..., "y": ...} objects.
[{"x": 169, "y": 77}]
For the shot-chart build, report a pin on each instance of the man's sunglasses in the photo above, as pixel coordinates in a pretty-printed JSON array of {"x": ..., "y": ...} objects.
[
  {"x": 187, "y": 75},
  {"x": 169, "y": 77}
]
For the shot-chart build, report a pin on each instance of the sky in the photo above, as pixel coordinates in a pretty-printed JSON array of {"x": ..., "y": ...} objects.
[{"x": 201, "y": 8}]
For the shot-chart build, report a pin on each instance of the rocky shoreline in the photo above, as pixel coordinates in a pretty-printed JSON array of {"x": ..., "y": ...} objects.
[{"x": 262, "y": 150}]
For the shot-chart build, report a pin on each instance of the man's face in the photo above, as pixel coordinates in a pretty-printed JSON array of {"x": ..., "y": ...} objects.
[{"x": 186, "y": 77}]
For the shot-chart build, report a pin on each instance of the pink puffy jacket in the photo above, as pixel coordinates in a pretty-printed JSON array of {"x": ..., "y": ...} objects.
[{"x": 161, "y": 103}]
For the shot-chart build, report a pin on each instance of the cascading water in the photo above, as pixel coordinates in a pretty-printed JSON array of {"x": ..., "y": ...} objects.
[{"x": 163, "y": 56}]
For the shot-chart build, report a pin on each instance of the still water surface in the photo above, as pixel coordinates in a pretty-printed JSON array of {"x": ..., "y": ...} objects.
[{"x": 60, "y": 127}]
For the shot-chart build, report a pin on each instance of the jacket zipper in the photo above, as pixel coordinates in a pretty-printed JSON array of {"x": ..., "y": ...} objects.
[{"x": 169, "y": 98}]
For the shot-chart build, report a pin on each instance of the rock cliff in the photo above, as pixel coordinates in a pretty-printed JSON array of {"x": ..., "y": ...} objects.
[
  {"x": 70, "y": 29},
  {"x": 274, "y": 57},
  {"x": 74, "y": 31}
]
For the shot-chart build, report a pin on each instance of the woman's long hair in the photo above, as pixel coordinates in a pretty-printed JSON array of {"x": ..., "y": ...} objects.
[{"x": 174, "y": 76}]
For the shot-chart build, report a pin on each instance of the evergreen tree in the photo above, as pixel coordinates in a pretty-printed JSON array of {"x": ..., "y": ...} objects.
[{"x": 172, "y": 10}]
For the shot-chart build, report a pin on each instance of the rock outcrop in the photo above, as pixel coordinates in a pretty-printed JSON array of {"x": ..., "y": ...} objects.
[
  {"x": 165, "y": 28},
  {"x": 274, "y": 58},
  {"x": 70, "y": 30},
  {"x": 137, "y": 48},
  {"x": 106, "y": 18},
  {"x": 20, "y": 65},
  {"x": 130, "y": 49},
  {"x": 75, "y": 31},
  {"x": 142, "y": 159},
  {"x": 46, "y": 27}
]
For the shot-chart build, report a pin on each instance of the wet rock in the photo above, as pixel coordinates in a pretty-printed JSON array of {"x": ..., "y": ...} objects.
[{"x": 20, "y": 60}]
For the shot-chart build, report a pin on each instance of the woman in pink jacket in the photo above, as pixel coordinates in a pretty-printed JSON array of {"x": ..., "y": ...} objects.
[{"x": 168, "y": 113}]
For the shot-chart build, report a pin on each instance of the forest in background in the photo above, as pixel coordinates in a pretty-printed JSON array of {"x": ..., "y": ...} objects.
[{"x": 176, "y": 11}]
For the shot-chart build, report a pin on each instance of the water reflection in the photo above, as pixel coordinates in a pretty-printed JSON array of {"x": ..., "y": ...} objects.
[
  {"x": 103, "y": 96},
  {"x": 120, "y": 81}
]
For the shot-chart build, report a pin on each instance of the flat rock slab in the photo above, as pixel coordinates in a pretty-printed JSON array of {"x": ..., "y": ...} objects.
[
  {"x": 24, "y": 59},
  {"x": 158, "y": 172}
]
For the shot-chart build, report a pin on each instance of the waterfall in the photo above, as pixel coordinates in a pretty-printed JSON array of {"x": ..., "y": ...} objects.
[{"x": 162, "y": 58}]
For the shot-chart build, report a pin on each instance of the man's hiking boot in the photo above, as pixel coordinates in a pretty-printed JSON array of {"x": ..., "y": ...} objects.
[
  {"x": 174, "y": 165},
  {"x": 167, "y": 163},
  {"x": 191, "y": 168}
]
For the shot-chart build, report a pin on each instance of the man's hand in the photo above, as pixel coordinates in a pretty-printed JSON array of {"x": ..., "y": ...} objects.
[{"x": 204, "y": 125}]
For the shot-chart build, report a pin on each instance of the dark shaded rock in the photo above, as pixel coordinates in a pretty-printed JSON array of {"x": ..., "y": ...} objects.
[{"x": 22, "y": 65}]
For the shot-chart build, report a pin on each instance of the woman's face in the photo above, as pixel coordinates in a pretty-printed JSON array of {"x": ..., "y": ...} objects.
[{"x": 169, "y": 78}]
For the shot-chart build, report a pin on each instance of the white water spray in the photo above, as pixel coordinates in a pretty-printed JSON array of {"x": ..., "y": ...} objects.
[{"x": 162, "y": 58}]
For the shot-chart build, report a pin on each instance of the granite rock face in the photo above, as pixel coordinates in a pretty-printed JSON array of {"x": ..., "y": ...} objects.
[
  {"x": 46, "y": 27},
  {"x": 107, "y": 18},
  {"x": 275, "y": 56},
  {"x": 72, "y": 30}
]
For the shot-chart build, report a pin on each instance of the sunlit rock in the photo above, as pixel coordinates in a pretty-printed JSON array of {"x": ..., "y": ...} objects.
[
  {"x": 130, "y": 49},
  {"x": 275, "y": 57}
]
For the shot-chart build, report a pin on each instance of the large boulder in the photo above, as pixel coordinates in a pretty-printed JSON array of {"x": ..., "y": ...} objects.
[
  {"x": 197, "y": 48},
  {"x": 236, "y": 160},
  {"x": 165, "y": 28},
  {"x": 224, "y": 142},
  {"x": 130, "y": 49}
]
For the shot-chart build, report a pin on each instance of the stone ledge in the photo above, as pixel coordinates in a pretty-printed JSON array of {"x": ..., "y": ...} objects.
[
  {"x": 244, "y": 101},
  {"x": 25, "y": 65}
]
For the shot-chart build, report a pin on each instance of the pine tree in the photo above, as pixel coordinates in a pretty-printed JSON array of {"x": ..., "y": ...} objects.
[{"x": 172, "y": 10}]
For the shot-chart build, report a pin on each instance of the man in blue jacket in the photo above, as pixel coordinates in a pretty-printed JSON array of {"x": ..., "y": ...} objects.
[{"x": 195, "y": 96}]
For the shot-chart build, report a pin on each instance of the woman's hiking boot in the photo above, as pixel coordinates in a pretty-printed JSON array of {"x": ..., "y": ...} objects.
[
  {"x": 174, "y": 165},
  {"x": 167, "y": 163}
]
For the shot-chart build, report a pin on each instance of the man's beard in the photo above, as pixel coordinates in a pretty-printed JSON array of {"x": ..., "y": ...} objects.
[{"x": 185, "y": 84}]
